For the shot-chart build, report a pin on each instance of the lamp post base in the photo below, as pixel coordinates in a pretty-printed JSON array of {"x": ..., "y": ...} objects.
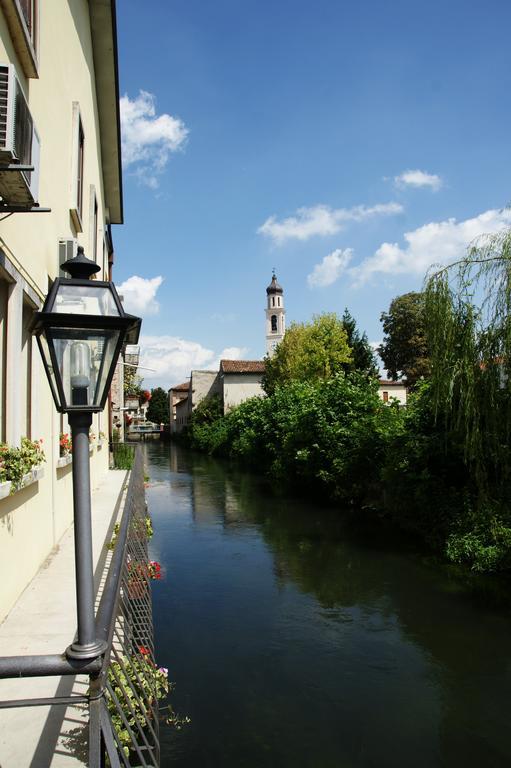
[{"x": 88, "y": 651}]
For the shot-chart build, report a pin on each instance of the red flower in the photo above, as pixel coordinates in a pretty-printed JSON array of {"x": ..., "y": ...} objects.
[{"x": 143, "y": 650}]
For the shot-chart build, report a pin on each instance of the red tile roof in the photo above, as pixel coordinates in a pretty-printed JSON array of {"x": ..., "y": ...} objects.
[
  {"x": 242, "y": 366},
  {"x": 181, "y": 387},
  {"x": 386, "y": 383}
]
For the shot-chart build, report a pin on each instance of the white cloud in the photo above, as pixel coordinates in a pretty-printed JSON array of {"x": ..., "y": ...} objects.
[
  {"x": 419, "y": 179},
  {"x": 172, "y": 358},
  {"x": 321, "y": 220},
  {"x": 139, "y": 295},
  {"x": 147, "y": 138},
  {"x": 330, "y": 269},
  {"x": 435, "y": 243}
]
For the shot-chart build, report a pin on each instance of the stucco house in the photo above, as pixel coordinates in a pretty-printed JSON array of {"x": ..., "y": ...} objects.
[
  {"x": 59, "y": 115},
  {"x": 241, "y": 379},
  {"x": 234, "y": 382},
  {"x": 178, "y": 396},
  {"x": 389, "y": 390}
]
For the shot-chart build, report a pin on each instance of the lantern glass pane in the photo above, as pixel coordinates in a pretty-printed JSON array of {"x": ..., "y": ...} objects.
[
  {"x": 84, "y": 358},
  {"x": 48, "y": 364},
  {"x": 86, "y": 300}
]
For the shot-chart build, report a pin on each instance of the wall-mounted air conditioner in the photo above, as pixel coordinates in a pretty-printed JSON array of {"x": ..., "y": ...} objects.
[{"x": 19, "y": 142}]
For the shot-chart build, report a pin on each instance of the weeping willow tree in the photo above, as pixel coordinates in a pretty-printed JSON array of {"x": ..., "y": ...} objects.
[{"x": 468, "y": 316}]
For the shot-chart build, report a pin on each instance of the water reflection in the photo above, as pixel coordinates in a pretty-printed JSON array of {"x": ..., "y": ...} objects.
[{"x": 295, "y": 642}]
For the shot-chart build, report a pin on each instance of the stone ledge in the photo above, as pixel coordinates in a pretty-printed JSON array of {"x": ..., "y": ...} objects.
[{"x": 31, "y": 477}]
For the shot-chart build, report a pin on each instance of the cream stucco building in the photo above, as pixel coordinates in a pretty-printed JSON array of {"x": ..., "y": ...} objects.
[
  {"x": 389, "y": 391},
  {"x": 58, "y": 114}
]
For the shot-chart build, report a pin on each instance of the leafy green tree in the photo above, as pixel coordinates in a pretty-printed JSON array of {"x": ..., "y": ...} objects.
[
  {"x": 308, "y": 352},
  {"x": 468, "y": 311},
  {"x": 363, "y": 356},
  {"x": 158, "y": 410},
  {"x": 132, "y": 381},
  {"x": 404, "y": 350}
]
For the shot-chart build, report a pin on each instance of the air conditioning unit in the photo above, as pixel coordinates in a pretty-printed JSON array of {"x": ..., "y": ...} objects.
[{"x": 19, "y": 142}]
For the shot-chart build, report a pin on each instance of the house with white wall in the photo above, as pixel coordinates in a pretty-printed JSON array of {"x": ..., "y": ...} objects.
[
  {"x": 392, "y": 390},
  {"x": 59, "y": 122},
  {"x": 241, "y": 379}
]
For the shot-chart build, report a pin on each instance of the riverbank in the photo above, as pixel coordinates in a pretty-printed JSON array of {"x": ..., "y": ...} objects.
[{"x": 336, "y": 438}]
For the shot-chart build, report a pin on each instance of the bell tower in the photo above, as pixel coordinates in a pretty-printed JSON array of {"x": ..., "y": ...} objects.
[{"x": 275, "y": 315}]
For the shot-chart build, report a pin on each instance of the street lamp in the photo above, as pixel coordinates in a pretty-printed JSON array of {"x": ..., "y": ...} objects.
[{"x": 80, "y": 332}]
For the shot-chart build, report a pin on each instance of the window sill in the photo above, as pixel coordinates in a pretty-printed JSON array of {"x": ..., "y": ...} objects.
[
  {"x": 20, "y": 37},
  {"x": 29, "y": 479},
  {"x": 76, "y": 219},
  {"x": 64, "y": 461}
]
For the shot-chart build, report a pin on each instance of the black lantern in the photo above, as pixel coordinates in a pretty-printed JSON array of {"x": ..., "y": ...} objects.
[{"x": 80, "y": 332}]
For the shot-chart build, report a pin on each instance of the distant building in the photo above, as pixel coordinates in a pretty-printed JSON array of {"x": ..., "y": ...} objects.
[
  {"x": 233, "y": 383},
  {"x": 241, "y": 379},
  {"x": 389, "y": 390},
  {"x": 177, "y": 395}
]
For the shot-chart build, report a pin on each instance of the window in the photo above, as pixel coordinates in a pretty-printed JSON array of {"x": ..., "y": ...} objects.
[
  {"x": 79, "y": 177},
  {"x": 77, "y": 169},
  {"x": 25, "y": 382},
  {"x": 274, "y": 323},
  {"x": 4, "y": 297},
  {"x": 278, "y": 299},
  {"x": 93, "y": 225},
  {"x": 22, "y": 19},
  {"x": 29, "y": 11},
  {"x": 273, "y": 301},
  {"x": 385, "y": 397}
]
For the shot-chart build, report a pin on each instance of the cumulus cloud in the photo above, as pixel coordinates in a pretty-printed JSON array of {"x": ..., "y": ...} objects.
[
  {"x": 171, "y": 358},
  {"x": 435, "y": 243},
  {"x": 139, "y": 295},
  {"x": 321, "y": 220},
  {"x": 330, "y": 268},
  {"x": 418, "y": 179},
  {"x": 148, "y": 139}
]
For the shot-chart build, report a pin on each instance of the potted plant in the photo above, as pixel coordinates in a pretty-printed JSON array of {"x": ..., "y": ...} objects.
[
  {"x": 65, "y": 444},
  {"x": 22, "y": 465}
]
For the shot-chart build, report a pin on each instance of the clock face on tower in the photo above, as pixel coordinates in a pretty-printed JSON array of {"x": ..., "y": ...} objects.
[{"x": 274, "y": 345}]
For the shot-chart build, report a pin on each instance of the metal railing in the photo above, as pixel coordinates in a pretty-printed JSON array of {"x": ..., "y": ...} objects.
[{"x": 124, "y": 684}]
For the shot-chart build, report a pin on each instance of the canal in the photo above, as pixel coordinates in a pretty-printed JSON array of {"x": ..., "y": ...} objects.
[{"x": 297, "y": 643}]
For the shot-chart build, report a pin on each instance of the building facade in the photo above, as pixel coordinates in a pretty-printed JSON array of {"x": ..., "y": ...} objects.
[
  {"x": 59, "y": 121},
  {"x": 392, "y": 390}
]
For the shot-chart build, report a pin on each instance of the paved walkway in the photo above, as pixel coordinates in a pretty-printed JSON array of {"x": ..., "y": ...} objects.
[{"x": 44, "y": 621}]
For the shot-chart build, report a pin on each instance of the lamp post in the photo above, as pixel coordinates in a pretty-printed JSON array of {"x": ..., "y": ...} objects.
[{"x": 80, "y": 332}]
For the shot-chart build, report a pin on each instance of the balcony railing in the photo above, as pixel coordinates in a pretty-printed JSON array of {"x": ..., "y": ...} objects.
[{"x": 124, "y": 684}]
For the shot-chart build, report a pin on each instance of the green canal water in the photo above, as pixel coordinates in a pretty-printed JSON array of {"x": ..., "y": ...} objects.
[{"x": 295, "y": 642}]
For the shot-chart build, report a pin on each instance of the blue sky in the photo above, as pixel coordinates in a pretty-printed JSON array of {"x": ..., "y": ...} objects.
[{"x": 347, "y": 144}]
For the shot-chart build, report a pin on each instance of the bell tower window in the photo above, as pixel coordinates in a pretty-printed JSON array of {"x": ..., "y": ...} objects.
[{"x": 274, "y": 323}]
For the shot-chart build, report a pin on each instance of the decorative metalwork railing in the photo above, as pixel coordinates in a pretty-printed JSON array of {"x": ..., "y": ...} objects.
[{"x": 125, "y": 684}]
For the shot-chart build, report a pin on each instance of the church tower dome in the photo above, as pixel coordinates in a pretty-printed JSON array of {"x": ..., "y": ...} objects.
[{"x": 275, "y": 315}]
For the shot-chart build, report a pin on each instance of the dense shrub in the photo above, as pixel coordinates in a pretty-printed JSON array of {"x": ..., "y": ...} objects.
[{"x": 329, "y": 436}]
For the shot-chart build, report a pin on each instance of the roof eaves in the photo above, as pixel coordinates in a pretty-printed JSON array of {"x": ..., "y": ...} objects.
[{"x": 103, "y": 23}]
